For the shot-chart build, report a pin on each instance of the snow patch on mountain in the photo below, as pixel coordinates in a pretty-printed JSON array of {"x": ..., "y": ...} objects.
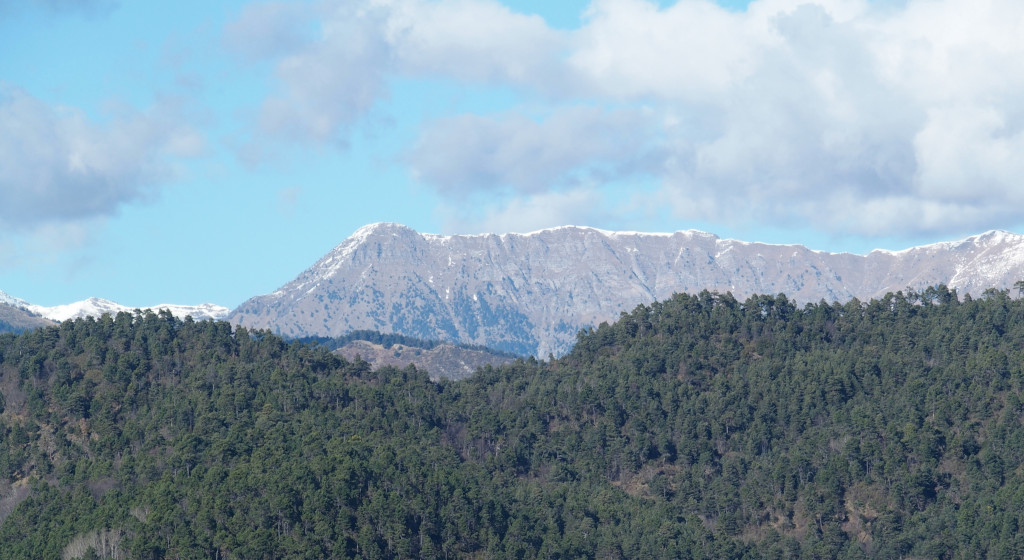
[
  {"x": 201, "y": 312},
  {"x": 94, "y": 307},
  {"x": 97, "y": 307},
  {"x": 11, "y": 300},
  {"x": 531, "y": 293}
]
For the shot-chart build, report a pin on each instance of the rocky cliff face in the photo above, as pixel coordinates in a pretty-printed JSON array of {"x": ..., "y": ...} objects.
[{"x": 532, "y": 293}]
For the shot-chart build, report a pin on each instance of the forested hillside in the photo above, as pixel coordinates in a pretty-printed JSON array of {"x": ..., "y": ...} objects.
[{"x": 697, "y": 427}]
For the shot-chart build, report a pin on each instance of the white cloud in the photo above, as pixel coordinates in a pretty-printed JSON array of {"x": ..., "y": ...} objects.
[
  {"x": 331, "y": 82},
  {"x": 270, "y": 29},
  {"x": 909, "y": 114},
  {"x": 330, "y": 77},
  {"x": 523, "y": 214},
  {"x": 59, "y": 166},
  {"x": 474, "y": 40},
  {"x": 576, "y": 145},
  {"x": 970, "y": 154},
  {"x": 898, "y": 120},
  {"x": 631, "y": 48}
]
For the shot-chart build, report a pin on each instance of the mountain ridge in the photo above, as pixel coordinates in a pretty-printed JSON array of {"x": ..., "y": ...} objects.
[
  {"x": 531, "y": 293},
  {"x": 15, "y": 319},
  {"x": 96, "y": 307}
]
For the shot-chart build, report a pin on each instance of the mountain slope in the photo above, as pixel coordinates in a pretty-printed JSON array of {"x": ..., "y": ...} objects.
[
  {"x": 8, "y": 299},
  {"x": 531, "y": 293},
  {"x": 15, "y": 319},
  {"x": 696, "y": 427}
]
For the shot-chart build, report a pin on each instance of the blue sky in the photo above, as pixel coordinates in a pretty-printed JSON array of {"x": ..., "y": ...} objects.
[{"x": 195, "y": 152}]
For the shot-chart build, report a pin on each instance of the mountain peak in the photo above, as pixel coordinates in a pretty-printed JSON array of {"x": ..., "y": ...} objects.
[
  {"x": 989, "y": 238},
  {"x": 379, "y": 228},
  {"x": 531, "y": 293},
  {"x": 998, "y": 236},
  {"x": 97, "y": 307},
  {"x": 11, "y": 300}
]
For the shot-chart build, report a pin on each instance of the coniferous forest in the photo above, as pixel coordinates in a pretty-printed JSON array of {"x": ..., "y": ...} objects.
[{"x": 697, "y": 427}]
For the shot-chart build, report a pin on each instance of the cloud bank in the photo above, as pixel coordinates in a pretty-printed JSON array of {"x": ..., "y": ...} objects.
[
  {"x": 576, "y": 145},
  {"x": 848, "y": 116},
  {"x": 58, "y": 166}
]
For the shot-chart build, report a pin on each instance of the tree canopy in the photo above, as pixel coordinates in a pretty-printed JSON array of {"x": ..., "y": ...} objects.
[{"x": 699, "y": 427}]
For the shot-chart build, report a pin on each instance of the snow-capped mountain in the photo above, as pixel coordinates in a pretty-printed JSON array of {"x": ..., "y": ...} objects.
[
  {"x": 15, "y": 318},
  {"x": 200, "y": 312},
  {"x": 531, "y": 293},
  {"x": 96, "y": 307},
  {"x": 11, "y": 300}
]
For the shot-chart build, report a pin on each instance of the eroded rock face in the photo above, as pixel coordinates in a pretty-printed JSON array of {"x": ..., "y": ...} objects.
[{"x": 531, "y": 293}]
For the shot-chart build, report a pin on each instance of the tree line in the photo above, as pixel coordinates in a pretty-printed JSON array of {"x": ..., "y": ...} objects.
[{"x": 700, "y": 427}]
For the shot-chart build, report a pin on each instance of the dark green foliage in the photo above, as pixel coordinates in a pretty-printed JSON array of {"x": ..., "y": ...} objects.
[
  {"x": 387, "y": 340},
  {"x": 698, "y": 427}
]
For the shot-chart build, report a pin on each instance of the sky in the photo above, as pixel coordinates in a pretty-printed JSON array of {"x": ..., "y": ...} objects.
[{"x": 193, "y": 151}]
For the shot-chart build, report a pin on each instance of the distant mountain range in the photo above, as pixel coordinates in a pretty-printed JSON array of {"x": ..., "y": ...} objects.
[
  {"x": 532, "y": 293},
  {"x": 96, "y": 307}
]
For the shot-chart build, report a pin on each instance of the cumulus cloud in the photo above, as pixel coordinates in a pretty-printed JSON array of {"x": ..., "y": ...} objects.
[
  {"x": 523, "y": 214},
  {"x": 270, "y": 29},
  {"x": 813, "y": 121},
  {"x": 59, "y": 166},
  {"x": 691, "y": 50},
  {"x": 850, "y": 116},
  {"x": 473, "y": 40},
  {"x": 333, "y": 62},
  {"x": 470, "y": 153},
  {"x": 903, "y": 117}
]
